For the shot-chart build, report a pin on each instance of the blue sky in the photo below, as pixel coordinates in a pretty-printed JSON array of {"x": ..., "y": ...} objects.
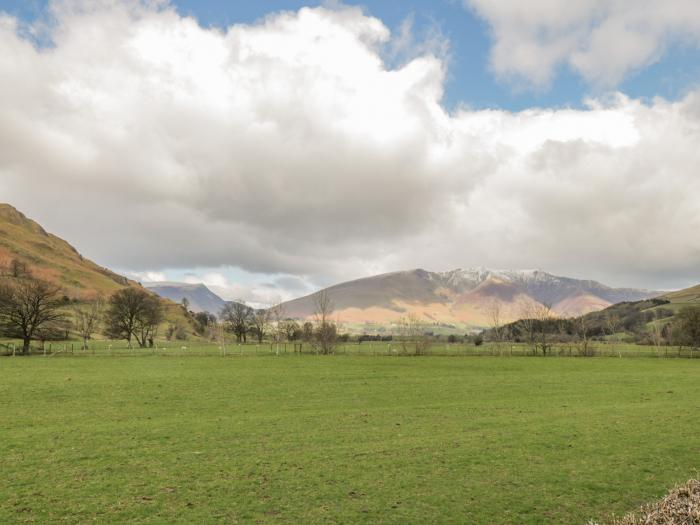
[{"x": 273, "y": 159}]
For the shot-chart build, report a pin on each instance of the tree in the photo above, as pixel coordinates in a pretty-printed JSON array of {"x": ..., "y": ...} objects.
[
  {"x": 204, "y": 324},
  {"x": 325, "y": 330},
  {"x": 536, "y": 318},
  {"x": 307, "y": 332},
  {"x": 412, "y": 332},
  {"x": 277, "y": 314},
  {"x": 29, "y": 308},
  {"x": 657, "y": 330},
  {"x": 612, "y": 322},
  {"x": 133, "y": 312},
  {"x": 86, "y": 318},
  {"x": 185, "y": 304},
  {"x": 237, "y": 317},
  {"x": 494, "y": 313},
  {"x": 687, "y": 326},
  {"x": 260, "y": 320},
  {"x": 291, "y": 330},
  {"x": 582, "y": 330}
]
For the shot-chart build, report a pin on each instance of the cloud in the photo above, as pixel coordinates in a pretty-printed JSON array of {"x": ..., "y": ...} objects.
[
  {"x": 601, "y": 40},
  {"x": 290, "y": 147},
  {"x": 256, "y": 294}
]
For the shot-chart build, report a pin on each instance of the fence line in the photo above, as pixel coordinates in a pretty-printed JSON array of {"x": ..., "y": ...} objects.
[{"x": 367, "y": 348}]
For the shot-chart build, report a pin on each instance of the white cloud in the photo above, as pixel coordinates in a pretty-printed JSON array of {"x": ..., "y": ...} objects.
[
  {"x": 289, "y": 147},
  {"x": 602, "y": 40},
  {"x": 146, "y": 277},
  {"x": 256, "y": 294}
]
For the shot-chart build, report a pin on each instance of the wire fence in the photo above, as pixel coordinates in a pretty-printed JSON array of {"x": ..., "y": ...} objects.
[{"x": 365, "y": 348}]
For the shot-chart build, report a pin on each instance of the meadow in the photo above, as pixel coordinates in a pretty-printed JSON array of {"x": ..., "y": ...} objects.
[{"x": 341, "y": 439}]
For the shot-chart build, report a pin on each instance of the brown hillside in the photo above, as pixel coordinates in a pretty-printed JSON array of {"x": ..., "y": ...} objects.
[{"x": 51, "y": 258}]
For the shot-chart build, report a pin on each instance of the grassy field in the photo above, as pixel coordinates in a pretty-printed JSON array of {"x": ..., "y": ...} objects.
[{"x": 314, "y": 439}]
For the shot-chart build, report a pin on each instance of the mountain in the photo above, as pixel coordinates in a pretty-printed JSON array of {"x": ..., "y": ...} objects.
[
  {"x": 463, "y": 298},
  {"x": 201, "y": 298},
  {"x": 53, "y": 259}
]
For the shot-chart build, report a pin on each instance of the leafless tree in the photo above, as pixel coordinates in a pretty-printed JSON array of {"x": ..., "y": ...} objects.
[
  {"x": 290, "y": 329},
  {"x": 657, "y": 331},
  {"x": 237, "y": 317},
  {"x": 29, "y": 308},
  {"x": 582, "y": 329},
  {"x": 260, "y": 321},
  {"x": 133, "y": 313},
  {"x": 494, "y": 313},
  {"x": 325, "y": 330},
  {"x": 277, "y": 315},
  {"x": 86, "y": 318},
  {"x": 536, "y": 318},
  {"x": 612, "y": 323},
  {"x": 412, "y": 332}
]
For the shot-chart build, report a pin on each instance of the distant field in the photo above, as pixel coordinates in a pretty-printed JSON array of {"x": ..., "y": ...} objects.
[{"x": 314, "y": 439}]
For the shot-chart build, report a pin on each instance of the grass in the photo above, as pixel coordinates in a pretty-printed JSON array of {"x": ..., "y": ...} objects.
[{"x": 313, "y": 439}]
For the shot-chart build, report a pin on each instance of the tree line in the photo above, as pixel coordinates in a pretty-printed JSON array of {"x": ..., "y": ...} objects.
[
  {"x": 32, "y": 309},
  {"x": 648, "y": 322}
]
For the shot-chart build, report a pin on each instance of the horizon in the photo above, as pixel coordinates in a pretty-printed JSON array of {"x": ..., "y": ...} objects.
[{"x": 271, "y": 150}]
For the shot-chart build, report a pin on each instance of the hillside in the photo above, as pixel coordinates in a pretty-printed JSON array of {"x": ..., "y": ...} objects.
[
  {"x": 50, "y": 258},
  {"x": 201, "y": 298},
  {"x": 635, "y": 319},
  {"x": 687, "y": 296},
  {"x": 462, "y": 297},
  {"x": 53, "y": 259}
]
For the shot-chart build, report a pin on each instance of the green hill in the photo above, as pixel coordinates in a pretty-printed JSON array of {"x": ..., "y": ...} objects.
[
  {"x": 685, "y": 297},
  {"x": 634, "y": 320}
]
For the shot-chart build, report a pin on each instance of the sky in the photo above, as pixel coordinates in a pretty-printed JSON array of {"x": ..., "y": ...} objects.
[{"x": 271, "y": 148}]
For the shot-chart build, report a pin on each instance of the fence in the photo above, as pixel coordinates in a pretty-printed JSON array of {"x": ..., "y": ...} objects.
[{"x": 366, "y": 348}]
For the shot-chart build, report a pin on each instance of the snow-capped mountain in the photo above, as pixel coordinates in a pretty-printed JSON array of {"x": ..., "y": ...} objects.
[{"x": 464, "y": 296}]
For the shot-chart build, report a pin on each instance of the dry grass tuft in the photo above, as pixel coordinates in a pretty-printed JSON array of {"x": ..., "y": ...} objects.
[{"x": 680, "y": 507}]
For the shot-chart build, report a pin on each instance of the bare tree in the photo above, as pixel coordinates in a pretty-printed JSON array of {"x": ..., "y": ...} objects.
[
  {"x": 133, "y": 313},
  {"x": 582, "y": 329},
  {"x": 612, "y": 323},
  {"x": 290, "y": 330},
  {"x": 86, "y": 318},
  {"x": 657, "y": 331},
  {"x": 277, "y": 315},
  {"x": 260, "y": 321},
  {"x": 536, "y": 320},
  {"x": 237, "y": 316},
  {"x": 325, "y": 330},
  {"x": 494, "y": 313},
  {"x": 412, "y": 332},
  {"x": 29, "y": 308}
]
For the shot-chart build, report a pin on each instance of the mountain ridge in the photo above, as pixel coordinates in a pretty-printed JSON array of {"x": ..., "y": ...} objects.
[
  {"x": 198, "y": 295},
  {"x": 463, "y": 296}
]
